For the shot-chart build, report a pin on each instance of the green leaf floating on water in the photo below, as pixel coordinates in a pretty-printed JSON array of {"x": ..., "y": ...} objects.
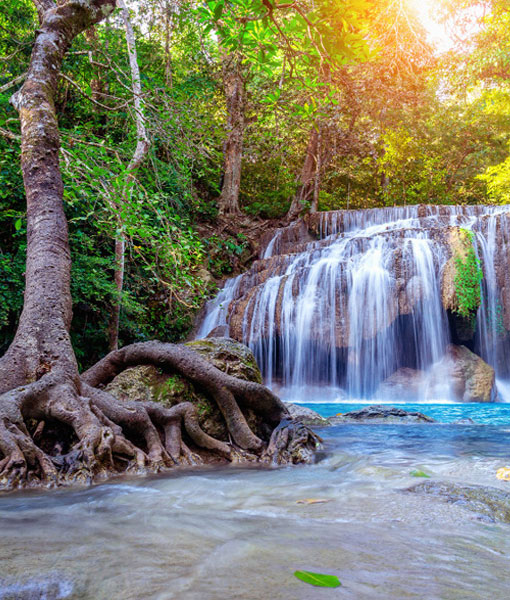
[
  {"x": 318, "y": 579},
  {"x": 417, "y": 473}
]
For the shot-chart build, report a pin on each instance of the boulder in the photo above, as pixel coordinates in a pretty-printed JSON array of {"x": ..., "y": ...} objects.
[
  {"x": 307, "y": 416},
  {"x": 147, "y": 383},
  {"x": 471, "y": 378},
  {"x": 404, "y": 383},
  {"x": 380, "y": 414},
  {"x": 229, "y": 356}
]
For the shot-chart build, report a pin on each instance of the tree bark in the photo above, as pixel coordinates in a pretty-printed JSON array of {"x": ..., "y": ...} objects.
[
  {"x": 42, "y": 343},
  {"x": 234, "y": 87}
]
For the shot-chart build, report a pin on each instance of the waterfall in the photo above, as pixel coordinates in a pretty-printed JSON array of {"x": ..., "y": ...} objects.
[{"x": 358, "y": 297}]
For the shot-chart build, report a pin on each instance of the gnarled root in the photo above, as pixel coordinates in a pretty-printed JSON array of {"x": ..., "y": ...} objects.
[
  {"x": 58, "y": 430},
  {"x": 228, "y": 392},
  {"x": 291, "y": 442}
]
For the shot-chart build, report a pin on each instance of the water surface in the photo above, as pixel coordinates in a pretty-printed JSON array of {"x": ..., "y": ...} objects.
[{"x": 239, "y": 533}]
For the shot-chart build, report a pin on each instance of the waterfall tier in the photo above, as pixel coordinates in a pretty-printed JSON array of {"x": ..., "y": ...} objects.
[{"x": 348, "y": 300}]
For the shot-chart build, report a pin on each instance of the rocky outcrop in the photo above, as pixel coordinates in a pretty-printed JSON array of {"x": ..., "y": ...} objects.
[
  {"x": 459, "y": 244},
  {"x": 344, "y": 292},
  {"x": 285, "y": 239},
  {"x": 381, "y": 414},
  {"x": 306, "y": 415},
  {"x": 471, "y": 378},
  {"x": 492, "y": 503},
  {"x": 462, "y": 320}
]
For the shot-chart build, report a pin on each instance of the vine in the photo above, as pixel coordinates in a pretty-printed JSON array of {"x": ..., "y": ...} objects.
[{"x": 468, "y": 277}]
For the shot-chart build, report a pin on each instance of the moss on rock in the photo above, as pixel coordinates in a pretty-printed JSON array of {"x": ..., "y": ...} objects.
[{"x": 229, "y": 356}]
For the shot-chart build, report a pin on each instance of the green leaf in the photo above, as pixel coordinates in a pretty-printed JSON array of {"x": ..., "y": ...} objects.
[
  {"x": 318, "y": 579},
  {"x": 17, "y": 225},
  {"x": 218, "y": 9},
  {"x": 418, "y": 473}
]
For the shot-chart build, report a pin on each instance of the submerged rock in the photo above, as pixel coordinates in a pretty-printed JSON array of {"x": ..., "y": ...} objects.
[
  {"x": 307, "y": 416},
  {"x": 491, "y": 502},
  {"x": 380, "y": 413}
]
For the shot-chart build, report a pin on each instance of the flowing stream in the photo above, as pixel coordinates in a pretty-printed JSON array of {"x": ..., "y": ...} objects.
[{"x": 239, "y": 533}]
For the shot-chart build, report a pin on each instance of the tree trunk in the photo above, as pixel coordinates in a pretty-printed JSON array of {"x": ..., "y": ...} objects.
[
  {"x": 42, "y": 343},
  {"x": 233, "y": 84},
  {"x": 305, "y": 190}
]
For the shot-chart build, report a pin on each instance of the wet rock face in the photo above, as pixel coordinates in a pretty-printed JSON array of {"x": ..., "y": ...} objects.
[
  {"x": 380, "y": 413},
  {"x": 473, "y": 380},
  {"x": 346, "y": 298},
  {"x": 492, "y": 503},
  {"x": 148, "y": 383},
  {"x": 285, "y": 239}
]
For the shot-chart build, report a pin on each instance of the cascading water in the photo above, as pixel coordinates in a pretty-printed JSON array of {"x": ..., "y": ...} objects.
[{"x": 349, "y": 309}]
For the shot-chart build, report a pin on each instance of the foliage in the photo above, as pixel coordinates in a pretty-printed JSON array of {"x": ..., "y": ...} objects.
[
  {"x": 418, "y": 473},
  {"x": 468, "y": 277},
  {"x": 402, "y": 124}
]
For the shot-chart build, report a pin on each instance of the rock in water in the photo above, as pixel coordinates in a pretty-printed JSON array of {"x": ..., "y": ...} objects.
[
  {"x": 307, "y": 416},
  {"x": 380, "y": 413},
  {"x": 473, "y": 380},
  {"x": 491, "y": 502},
  {"x": 405, "y": 383}
]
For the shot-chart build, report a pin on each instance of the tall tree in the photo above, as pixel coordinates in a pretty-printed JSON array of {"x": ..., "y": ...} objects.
[
  {"x": 235, "y": 97},
  {"x": 141, "y": 150}
]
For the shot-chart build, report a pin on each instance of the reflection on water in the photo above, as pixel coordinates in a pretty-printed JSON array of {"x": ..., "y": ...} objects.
[{"x": 239, "y": 534}]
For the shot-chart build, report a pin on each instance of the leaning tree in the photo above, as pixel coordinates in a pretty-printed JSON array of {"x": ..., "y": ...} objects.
[{"x": 42, "y": 391}]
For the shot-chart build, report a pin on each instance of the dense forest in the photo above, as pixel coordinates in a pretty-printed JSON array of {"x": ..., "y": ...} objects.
[{"x": 210, "y": 122}]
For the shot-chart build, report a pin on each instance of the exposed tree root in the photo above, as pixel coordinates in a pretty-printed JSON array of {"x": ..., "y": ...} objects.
[{"x": 100, "y": 435}]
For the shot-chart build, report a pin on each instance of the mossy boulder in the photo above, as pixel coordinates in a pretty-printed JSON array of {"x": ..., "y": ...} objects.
[
  {"x": 229, "y": 356},
  {"x": 148, "y": 383}
]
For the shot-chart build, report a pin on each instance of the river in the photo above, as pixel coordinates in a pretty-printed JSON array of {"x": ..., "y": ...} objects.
[{"x": 239, "y": 534}]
